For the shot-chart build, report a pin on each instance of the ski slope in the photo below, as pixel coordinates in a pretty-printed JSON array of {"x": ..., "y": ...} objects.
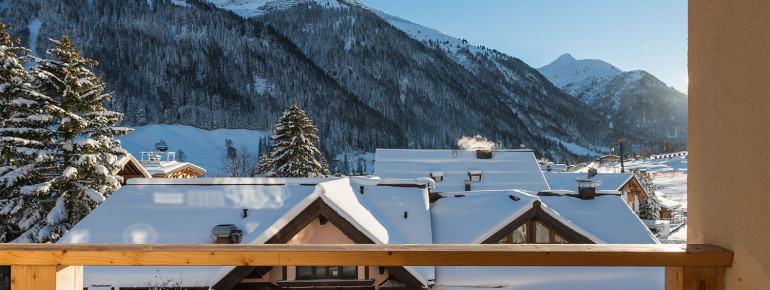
[{"x": 202, "y": 147}]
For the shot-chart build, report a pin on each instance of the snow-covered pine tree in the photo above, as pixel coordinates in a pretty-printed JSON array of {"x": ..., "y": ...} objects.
[
  {"x": 264, "y": 165},
  {"x": 26, "y": 158},
  {"x": 294, "y": 154},
  {"x": 649, "y": 208},
  {"x": 324, "y": 166},
  {"x": 87, "y": 151}
]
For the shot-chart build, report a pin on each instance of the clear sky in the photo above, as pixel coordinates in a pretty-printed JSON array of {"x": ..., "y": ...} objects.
[{"x": 640, "y": 34}]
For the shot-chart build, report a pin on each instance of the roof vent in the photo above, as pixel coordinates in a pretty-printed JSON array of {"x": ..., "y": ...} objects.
[
  {"x": 437, "y": 175},
  {"x": 245, "y": 213},
  {"x": 484, "y": 153},
  {"x": 227, "y": 234},
  {"x": 467, "y": 185},
  {"x": 474, "y": 175},
  {"x": 454, "y": 152}
]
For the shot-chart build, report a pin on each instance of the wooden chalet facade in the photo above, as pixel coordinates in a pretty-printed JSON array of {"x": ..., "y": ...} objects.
[
  {"x": 608, "y": 159},
  {"x": 633, "y": 193},
  {"x": 131, "y": 168}
]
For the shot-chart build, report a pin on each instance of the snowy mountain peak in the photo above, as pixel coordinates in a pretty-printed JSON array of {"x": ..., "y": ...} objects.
[
  {"x": 572, "y": 75},
  {"x": 564, "y": 58}
]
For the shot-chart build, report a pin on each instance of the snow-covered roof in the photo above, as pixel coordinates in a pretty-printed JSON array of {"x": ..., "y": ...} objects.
[
  {"x": 183, "y": 211},
  {"x": 168, "y": 168},
  {"x": 507, "y": 169},
  {"x": 553, "y": 167},
  {"x": 471, "y": 217},
  {"x": 606, "y": 217},
  {"x": 477, "y": 215},
  {"x": 566, "y": 180},
  {"x": 667, "y": 203}
]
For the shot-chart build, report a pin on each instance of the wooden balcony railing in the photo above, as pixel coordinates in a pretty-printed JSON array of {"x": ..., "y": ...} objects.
[{"x": 59, "y": 266}]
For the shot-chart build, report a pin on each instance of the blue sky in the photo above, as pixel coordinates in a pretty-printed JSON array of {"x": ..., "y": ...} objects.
[{"x": 648, "y": 35}]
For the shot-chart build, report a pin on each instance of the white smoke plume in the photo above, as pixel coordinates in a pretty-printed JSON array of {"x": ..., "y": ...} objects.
[{"x": 476, "y": 142}]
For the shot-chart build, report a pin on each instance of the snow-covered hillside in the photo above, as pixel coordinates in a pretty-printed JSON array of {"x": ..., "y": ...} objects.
[
  {"x": 251, "y": 8},
  {"x": 202, "y": 147}
]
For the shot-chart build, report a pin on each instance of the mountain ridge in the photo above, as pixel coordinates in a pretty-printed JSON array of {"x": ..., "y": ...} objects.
[{"x": 659, "y": 112}]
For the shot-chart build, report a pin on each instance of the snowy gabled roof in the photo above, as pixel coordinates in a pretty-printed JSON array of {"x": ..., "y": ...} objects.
[
  {"x": 477, "y": 215},
  {"x": 179, "y": 211},
  {"x": 471, "y": 217},
  {"x": 566, "y": 180},
  {"x": 130, "y": 158},
  {"x": 168, "y": 168},
  {"x": 606, "y": 217},
  {"x": 507, "y": 169}
]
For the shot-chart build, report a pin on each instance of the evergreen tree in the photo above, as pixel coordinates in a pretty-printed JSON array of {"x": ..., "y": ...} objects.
[
  {"x": 345, "y": 167},
  {"x": 324, "y": 166},
  {"x": 649, "y": 208},
  {"x": 86, "y": 149},
  {"x": 264, "y": 165},
  {"x": 294, "y": 154},
  {"x": 26, "y": 158}
]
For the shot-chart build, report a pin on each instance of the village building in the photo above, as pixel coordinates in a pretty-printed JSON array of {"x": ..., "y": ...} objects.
[
  {"x": 164, "y": 165},
  {"x": 129, "y": 168},
  {"x": 429, "y": 201},
  {"x": 609, "y": 158}
]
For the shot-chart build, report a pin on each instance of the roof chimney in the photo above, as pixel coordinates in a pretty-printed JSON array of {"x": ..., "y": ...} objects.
[
  {"x": 587, "y": 188},
  {"x": 483, "y": 153},
  {"x": 226, "y": 234},
  {"x": 587, "y": 192}
]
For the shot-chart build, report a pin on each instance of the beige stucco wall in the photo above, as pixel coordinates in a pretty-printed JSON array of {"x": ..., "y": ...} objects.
[{"x": 729, "y": 134}]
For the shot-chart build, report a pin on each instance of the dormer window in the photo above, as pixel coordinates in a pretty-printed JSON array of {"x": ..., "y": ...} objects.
[
  {"x": 474, "y": 175},
  {"x": 437, "y": 176},
  {"x": 534, "y": 232}
]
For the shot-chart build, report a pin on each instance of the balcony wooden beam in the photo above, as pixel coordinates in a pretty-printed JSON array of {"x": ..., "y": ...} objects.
[{"x": 361, "y": 255}]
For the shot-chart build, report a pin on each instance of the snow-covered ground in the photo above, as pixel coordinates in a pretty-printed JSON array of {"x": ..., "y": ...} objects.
[
  {"x": 202, "y": 147},
  {"x": 679, "y": 235}
]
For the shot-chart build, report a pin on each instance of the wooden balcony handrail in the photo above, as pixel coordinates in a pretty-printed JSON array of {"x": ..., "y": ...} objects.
[
  {"x": 32, "y": 263},
  {"x": 360, "y": 255}
]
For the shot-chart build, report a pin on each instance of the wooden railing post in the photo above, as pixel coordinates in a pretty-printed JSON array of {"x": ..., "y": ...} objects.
[
  {"x": 24, "y": 277},
  {"x": 695, "y": 278}
]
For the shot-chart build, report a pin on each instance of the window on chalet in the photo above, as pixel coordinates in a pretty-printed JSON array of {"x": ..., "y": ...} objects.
[
  {"x": 534, "y": 232},
  {"x": 326, "y": 272}
]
